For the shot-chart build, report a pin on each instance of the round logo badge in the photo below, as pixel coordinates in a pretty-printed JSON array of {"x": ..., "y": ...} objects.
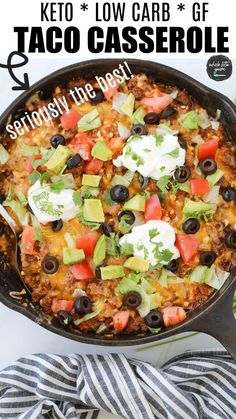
[{"x": 219, "y": 67}]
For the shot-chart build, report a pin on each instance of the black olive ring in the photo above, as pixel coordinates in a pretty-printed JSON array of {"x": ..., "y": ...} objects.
[
  {"x": 208, "y": 166},
  {"x": 152, "y": 118},
  {"x": 119, "y": 193},
  {"x": 207, "y": 258},
  {"x": 132, "y": 299},
  {"x": 50, "y": 265},
  {"x": 65, "y": 318},
  {"x": 230, "y": 239},
  {"x": 182, "y": 174},
  {"x": 128, "y": 216},
  {"x": 173, "y": 265},
  {"x": 191, "y": 226},
  {"x": 83, "y": 305},
  {"x": 154, "y": 319},
  {"x": 138, "y": 129}
]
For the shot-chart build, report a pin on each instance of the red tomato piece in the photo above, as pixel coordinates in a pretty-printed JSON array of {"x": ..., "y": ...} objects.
[
  {"x": 199, "y": 187},
  {"x": 82, "y": 270},
  {"x": 28, "y": 166},
  {"x": 28, "y": 241},
  {"x": 153, "y": 208},
  {"x": 208, "y": 149},
  {"x": 187, "y": 245},
  {"x": 111, "y": 91},
  {"x": 69, "y": 119},
  {"x": 88, "y": 243},
  {"x": 120, "y": 320},
  {"x": 82, "y": 145},
  {"x": 93, "y": 166},
  {"x": 116, "y": 145},
  {"x": 173, "y": 315},
  {"x": 58, "y": 305},
  {"x": 158, "y": 102}
]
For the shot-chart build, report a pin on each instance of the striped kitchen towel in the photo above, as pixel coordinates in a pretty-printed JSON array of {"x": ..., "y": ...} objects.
[{"x": 200, "y": 384}]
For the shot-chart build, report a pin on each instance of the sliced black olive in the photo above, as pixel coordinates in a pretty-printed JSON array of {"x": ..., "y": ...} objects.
[
  {"x": 128, "y": 216},
  {"x": 230, "y": 239},
  {"x": 138, "y": 129},
  {"x": 168, "y": 112},
  {"x": 29, "y": 208},
  {"x": 98, "y": 271},
  {"x": 208, "y": 166},
  {"x": 107, "y": 229},
  {"x": 132, "y": 299},
  {"x": 173, "y": 265},
  {"x": 83, "y": 305},
  {"x": 2, "y": 198},
  {"x": 144, "y": 181},
  {"x": 57, "y": 140},
  {"x": 65, "y": 318},
  {"x": 182, "y": 174},
  {"x": 2, "y": 228},
  {"x": 74, "y": 161},
  {"x": 207, "y": 258},
  {"x": 154, "y": 319},
  {"x": 152, "y": 118},
  {"x": 182, "y": 142},
  {"x": 99, "y": 96},
  {"x": 57, "y": 225},
  {"x": 191, "y": 226},
  {"x": 50, "y": 265},
  {"x": 119, "y": 193},
  {"x": 228, "y": 194}
]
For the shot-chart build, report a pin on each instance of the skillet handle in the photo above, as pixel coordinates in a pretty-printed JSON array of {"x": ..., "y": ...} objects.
[{"x": 220, "y": 321}]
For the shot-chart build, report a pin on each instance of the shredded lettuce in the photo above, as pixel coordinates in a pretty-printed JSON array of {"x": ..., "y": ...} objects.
[
  {"x": 138, "y": 115},
  {"x": 87, "y": 317},
  {"x": 67, "y": 179},
  {"x": 201, "y": 274},
  {"x": 69, "y": 241},
  {"x": 164, "y": 129},
  {"x": 19, "y": 210},
  {"x": 197, "y": 209},
  {"x": 4, "y": 155},
  {"x": 215, "y": 177},
  {"x": 124, "y": 180},
  {"x": 218, "y": 279}
]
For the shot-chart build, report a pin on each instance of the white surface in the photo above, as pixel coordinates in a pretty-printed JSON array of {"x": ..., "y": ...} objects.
[{"x": 20, "y": 336}]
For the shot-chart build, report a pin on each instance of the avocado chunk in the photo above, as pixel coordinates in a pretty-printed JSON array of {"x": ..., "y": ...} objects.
[
  {"x": 128, "y": 106},
  {"x": 71, "y": 256},
  {"x": 137, "y": 264},
  {"x": 100, "y": 250},
  {"x": 101, "y": 151},
  {"x": 59, "y": 158},
  {"x": 93, "y": 211},
  {"x": 137, "y": 203},
  {"x": 91, "y": 180},
  {"x": 112, "y": 272}
]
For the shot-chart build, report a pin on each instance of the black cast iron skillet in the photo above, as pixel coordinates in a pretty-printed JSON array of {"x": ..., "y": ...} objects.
[{"x": 216, "y": 317}]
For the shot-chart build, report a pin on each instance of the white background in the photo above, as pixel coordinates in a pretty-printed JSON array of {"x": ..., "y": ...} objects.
[{"x": 19, "y": 336}]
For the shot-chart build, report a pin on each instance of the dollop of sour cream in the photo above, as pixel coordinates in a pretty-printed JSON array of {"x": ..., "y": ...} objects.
[
  {"x": 153, "y": 241},
  {"x": 152, "y": 156},
  {"x": 49, "y": 206}
]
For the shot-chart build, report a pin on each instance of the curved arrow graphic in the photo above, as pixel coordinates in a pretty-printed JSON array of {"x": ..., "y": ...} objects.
[{"x": 21, "y": 85}]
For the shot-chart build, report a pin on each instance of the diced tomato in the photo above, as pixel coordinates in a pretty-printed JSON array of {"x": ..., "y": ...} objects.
[
  {"x": 158, "y": 102},
  {"x": 82, "y": 145},
  {"x": 82, "y": 270},
  {"x": 111, "y": 91},
  {"x": 28, "y": 241},
  {"x": 58, "y": 305},
  {"x": 69, "y": 119},
  {"x": 153, "y": 208},
  {"x": 116, "y": 145},
  {"x": 173, "y": 315},
  {"x": 120, "y": 320},
  {"x": 93, "y": 166},
  {"x": 187, "y": 245},
  {"x": 208, "y": 149},
  {"x": 199, "y": 187},
  {"x": 88, "y": 242}
]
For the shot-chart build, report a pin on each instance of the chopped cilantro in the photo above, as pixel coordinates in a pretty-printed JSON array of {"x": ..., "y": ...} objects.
[
  {"x": 112, "y": 245},
  {"x": 43, "y": 204},
  {"x": 153, "y": 233},
  {"x": 88, "y": 192},
  {"x": 77, "y": 198},
  {"x": 124, "y": 226},
  {"x": 58, "y": 186},
  {"x": 127, "y": 249},
  {"x": 34, "y": 177},
  {"x": 163, "y": 183}
]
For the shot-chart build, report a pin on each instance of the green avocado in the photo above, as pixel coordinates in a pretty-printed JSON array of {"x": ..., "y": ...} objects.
[
  {"x": 137, "y": 203},
  {"x": 101, "y": 151},
  {"x": 93, "y": 211},
  {"x": 59, "y": 158},
  {"x": 100, "y": 250},
  {"x": 71, "y": 256},
  {"x": 112, "y": 272},
  {"x": 137, "y": 264},
  {"x": 91, "y": 180}
]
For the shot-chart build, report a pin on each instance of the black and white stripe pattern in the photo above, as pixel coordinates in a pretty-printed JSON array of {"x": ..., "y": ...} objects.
[{"x": 194, "y": 385}]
